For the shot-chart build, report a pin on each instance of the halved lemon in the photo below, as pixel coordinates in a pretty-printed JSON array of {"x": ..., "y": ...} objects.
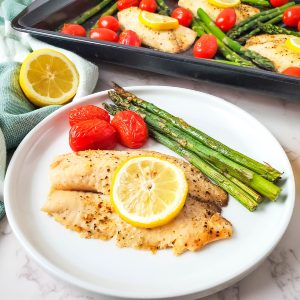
[
  {"x": 224, "y": 3},
  {"x": 148, "y": 191},
  {"x": 158, "y": 22},
  {"x": 48, "y": 77},
  {"x": 293, "y": 43}
]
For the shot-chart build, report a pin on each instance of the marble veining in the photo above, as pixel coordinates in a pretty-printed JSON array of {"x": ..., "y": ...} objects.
[{"x": 275, "y": 279}]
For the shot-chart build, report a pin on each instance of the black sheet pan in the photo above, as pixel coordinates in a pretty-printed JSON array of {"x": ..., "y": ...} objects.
[{"x": 42, "y": 18}]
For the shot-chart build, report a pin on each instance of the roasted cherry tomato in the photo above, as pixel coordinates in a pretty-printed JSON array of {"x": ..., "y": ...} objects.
[
  {"x": 74, "y": 29},
  {"x": 104, "y": 34},
  {"x": 292, "y": 71},
  {"x": 132, "y": 129},
  {"x": 226, "y": 19},
  {"x": 299, "y": 26},
  {"x": 277, "y": 3},
  {"x": 148, "y": 5},
  {"x": 183, "y": 15},
  {"x": 92, "y": 135},
  {"x": 206, "y": 46},
  {"x": 87, "y": 112},
  {"x": 109, "y": 22},
  {"x": 291, "y": 16},
  {"x": 130, "y": 38},
  {"x": 123, "y": 4}
]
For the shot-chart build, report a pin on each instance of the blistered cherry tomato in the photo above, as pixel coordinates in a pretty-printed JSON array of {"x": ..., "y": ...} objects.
[
  {"x": 292, "y": 71},
  {"x": 226, "y": 19},
  {"x": 104, "y": 34},
  {"x": 291, "y": 16},
  {"x": 277, "y": 3},
  {"x": 132, "y": 129},
  {"x": 87, "y": 112},
  {"x": 206, "y": 46},
  {"x": 129, "y": 38},
  {"x": 183, "y": 15},
  {"x": 92, "y": 135},
  {"x": 74, "y": 29},
  {"x": 109, "y": 22},
  {"x": 123, "y": 4},
  {"x": 299, "y": 26},
  {"x": 148, "y": 5}
]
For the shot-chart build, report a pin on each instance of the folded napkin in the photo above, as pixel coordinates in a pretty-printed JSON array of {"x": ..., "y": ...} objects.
[{"x": 17, "y": 115}]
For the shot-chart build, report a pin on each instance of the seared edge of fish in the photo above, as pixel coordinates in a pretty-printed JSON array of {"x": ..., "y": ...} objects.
[
  {"x": 92, "y": 215},
  {"x": 92, "y": 171},
  {"x": 172, "y": 41}
]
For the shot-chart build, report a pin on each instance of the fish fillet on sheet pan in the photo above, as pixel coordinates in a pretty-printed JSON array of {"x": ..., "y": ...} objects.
[{"x": 171, "y": 41}]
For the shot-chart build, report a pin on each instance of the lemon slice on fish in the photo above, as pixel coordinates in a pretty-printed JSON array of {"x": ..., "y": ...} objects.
[
  {"x": 224, "y": 3},
  {"x": 148, "y": 191},
  {"x": 158, "y": 22},
  {"x": 48, "y": 77},
  {"x": 293, "y": 43}
]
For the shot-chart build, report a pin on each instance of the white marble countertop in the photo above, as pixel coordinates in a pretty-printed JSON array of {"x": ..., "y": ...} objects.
[{"x": 277, "y": 278}]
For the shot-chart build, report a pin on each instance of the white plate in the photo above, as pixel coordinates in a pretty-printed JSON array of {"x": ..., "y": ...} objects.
[{"x": 104, "y": 268}]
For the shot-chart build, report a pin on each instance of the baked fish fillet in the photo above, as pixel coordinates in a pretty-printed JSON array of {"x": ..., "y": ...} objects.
[
  {"x": 243, "y": 11},
  {"x": 92, "y": 215},
  {"x": 171, "y": 41},
  {"x": 92, "y": 171},
  {"x": 273, "y": 47}
]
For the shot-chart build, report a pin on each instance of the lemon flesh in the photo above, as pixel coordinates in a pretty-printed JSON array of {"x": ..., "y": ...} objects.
[
  {"x": 293, "y": 43},
  {"x": 148, "y": 192},
  {"x": 224, "y": 3},
  {"x": 48, "y": 77},
  {"x": 157, "y": 22}
]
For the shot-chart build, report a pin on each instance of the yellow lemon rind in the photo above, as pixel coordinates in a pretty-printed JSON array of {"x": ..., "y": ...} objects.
[
  {"x": 155, "y": 223},
  {"x": 291, "y": 45},
  {"x": 31, "y": 94},
  {"x": 160, "y": 26},
  {"x": 224, "y": 4}
]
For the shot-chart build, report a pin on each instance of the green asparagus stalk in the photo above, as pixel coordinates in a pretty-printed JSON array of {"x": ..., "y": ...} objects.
[
  {"x": 243, "y": 39},
  {"x": 232, "y": 188},
  {"x": 253, "y": 194},
  {"x": 90, "y": 12},
  {"x": 237, "y": 30},
  {"x": 163, "y": 8},
  {"x": 272, "y": 29},
  {"x": 233, "y": 57},
  {"x": 110, "y": 11},
  {"x": 252, "y": 24},
  {"x": 261, "y": 3},
  {"x": 255, "y": 57},
  {"x": 264, "y": 170},
  {"x": 258, "y": 183}
]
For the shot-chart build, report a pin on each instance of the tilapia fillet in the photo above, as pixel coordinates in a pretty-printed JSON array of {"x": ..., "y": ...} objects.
[
  {"x": 92, "y": 171},
  {"x": 273, "y": 47},
  {"x": 92, "y": 215},
  {"x": 171, "y": 41},
  {"x": 243, "y": 11}
]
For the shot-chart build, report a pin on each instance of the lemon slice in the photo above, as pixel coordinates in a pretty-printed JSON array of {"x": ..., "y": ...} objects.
[
  {"x": 224, "y": 3},
  {"x": 293, "y": 43},
  {"x": 148, "y": 191},
  {"x": 158, "y": 22},
  {"x": 48, "y": 77}
]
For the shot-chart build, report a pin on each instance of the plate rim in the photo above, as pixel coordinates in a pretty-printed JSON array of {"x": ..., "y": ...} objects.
[{"x": 70, "y": 279}]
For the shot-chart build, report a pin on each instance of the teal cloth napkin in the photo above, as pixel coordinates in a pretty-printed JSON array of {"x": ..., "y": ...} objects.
[{"x": 17, "y": 115}]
